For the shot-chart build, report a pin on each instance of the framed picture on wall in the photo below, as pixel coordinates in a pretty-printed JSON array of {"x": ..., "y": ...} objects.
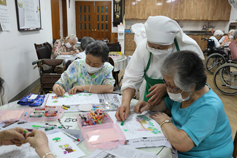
[{"x": 28, "y": 15}]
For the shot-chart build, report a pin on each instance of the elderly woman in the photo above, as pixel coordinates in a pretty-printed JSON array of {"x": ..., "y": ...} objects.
[
  {"x": 92, "y": 74},
  {"x": 228, "y": 38},
  {"x": 216, "y": 37},
  {"x": 233, "y": 46},
  {"x": 198, "y": 126},
  {"x": 65, "y": 46},
  {"x": 84, "y": 42}
]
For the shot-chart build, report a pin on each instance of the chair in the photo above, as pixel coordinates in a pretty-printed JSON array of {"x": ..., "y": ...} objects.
[
  {"x": 48, "y": 75},
  {"x": 235, "y": 146}
]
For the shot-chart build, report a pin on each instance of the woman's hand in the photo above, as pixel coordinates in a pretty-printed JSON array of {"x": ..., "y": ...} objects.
[
  {"x": 160, "y": 117},
  {"x": 58, "y": 90},
  {"x": 15, "y": 136},
  {"x": 71, "y": 52},
  {"x": 76, "y": 89},
  {"x": 39, "y": 141},
  {"x": 156, "y": 93},
  {"x": 122, "y": 112},
  {"x": 141, "y": 106}
]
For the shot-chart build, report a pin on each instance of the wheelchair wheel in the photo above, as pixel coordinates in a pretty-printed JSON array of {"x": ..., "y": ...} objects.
[
  {"x": 225, "y": 79},
  {"x": 213, "y": 61}
]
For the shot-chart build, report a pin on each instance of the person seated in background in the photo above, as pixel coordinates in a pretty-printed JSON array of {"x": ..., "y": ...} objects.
[
  {"x": 65, "y": 46},
  {"x": 233, "y": 46},
  {"x": 216, "y": 37},
  {"x": 198, "y": 126},
  {"x": 228, "y": 38},
  {"x": 36, "y": 138},
  {"x": 84, "y": 42},
  {"x": 92, "y": 74}
]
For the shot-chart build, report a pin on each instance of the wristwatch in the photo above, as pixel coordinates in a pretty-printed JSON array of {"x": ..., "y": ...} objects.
[{"x": 166, "y": 121}]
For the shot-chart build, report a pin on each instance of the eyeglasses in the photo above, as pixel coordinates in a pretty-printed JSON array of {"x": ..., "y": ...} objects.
[{"x": 172, "y": 89}]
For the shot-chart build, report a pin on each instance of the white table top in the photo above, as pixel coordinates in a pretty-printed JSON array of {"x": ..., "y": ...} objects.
[{"x": 164, "y": 152}]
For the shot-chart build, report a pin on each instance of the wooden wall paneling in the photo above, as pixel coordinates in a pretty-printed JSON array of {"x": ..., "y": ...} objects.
[
  {"x": 175, "y": 9},
  {"x": 202, "y": 9},
  {"x": 114, "y": 38},
  {"x": 217, "y": 11},
  {"x": 130, "y": 9},
  {"x": 210, "y": 9},
  {"x": 167, "y": 9},
  {"x": 64, "y": 10},
  {"x": 192, "y": 7},
  {"x": 141, "y": 9},
  {"x": 183, "y": 12},
  {"x": 226, "y": 11},
  {"x": 55, "y": 19}
]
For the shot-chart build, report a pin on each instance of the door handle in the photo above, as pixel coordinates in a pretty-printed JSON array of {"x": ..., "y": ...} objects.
[
  {"x": 92, "y": 30},
  {"x": 95, "y": 29}
]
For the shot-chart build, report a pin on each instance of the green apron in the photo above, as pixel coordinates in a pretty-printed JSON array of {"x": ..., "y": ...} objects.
[{"x": 151, "y": 82}]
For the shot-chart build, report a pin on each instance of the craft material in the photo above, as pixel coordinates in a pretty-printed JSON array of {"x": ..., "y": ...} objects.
[
  {"x": 71, "y": 136},
  {"x": 50, "y": 106},
  {"x": 93, "y": 117},
  {"x": 64, "y": 107},
  {"x": 122, "y": 123},
  {"x": 22, "y": 122},
  {"x": 36, "y": 115},
  {"x": 49, "y": 128},
  {"x": 10, "y": 123},
  {"x": 61, "y": 124},
  {"x": 25, "y": 113},
  {"x": 39, "y": 108}
]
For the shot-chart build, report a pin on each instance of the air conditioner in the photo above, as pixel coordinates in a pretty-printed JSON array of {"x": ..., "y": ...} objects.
[{"x": 233, "y": 3}]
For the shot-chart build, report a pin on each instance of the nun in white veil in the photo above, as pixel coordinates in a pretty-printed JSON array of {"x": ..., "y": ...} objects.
[{"x": 164, "y": 36}]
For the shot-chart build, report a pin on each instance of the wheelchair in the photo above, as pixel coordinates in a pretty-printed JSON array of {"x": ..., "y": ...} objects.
[
  {"x": 215, "y": 56},
  {"x": 225, "y": 78}
]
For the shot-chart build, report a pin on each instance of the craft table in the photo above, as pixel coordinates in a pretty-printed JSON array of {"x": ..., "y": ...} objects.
[{"x": 162, "y": 152}]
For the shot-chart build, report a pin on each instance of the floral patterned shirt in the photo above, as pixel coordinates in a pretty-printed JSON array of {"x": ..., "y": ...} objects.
[
  {"x": 76, "y": 75},
  {"x": 59, "y": 46}
]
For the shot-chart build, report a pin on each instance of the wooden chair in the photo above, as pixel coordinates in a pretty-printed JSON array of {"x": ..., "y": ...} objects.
[
  {"x": 235, "y": 146},
  {"x": 48, "y": 77}
]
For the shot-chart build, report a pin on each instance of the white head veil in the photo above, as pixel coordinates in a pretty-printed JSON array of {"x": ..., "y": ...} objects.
[{"x": 163, "y": 30}]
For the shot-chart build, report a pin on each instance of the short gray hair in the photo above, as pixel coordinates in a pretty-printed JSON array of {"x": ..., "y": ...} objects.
[
  {"x": 235, "y": 34},
  {"x": 72, "y": 37},
  {"x": 231, "y": 31},
  {"x": 85, "y": 41},
  {"x": 187, "y": 70}
]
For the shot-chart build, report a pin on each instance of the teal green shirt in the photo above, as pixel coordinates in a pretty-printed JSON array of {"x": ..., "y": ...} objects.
[{"x": 207, "y": 124}]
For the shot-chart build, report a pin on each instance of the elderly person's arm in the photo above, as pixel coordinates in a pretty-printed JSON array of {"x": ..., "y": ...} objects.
[
  {"x": 58, "y": 49},
  {"x": 65, "y": 83}
]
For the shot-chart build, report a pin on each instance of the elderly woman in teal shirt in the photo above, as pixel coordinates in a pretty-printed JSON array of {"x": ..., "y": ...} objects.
[
  {"x": 198, "y": 126},
  {"x": 92, "y": 74}
]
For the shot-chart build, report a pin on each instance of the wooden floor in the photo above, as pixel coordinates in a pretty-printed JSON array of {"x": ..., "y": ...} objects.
[{"x": 230, "y": 102}]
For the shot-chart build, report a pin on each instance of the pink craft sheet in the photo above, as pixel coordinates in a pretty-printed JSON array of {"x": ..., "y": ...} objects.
[
  {"x": 102, "y": 136},
  {"x": 12, "y": 115}
]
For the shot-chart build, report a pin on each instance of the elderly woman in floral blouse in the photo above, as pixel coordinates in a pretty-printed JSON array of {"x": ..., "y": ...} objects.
[
  {"x": 65, "y": 46},
  {"x": 92, "y": 74}
]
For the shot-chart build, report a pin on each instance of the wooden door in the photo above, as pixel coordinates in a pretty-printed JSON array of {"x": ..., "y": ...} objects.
[
  {"x": 154, "y": 8},
  {"x": 102, "y": 20},
  {"x": 93, "y": 19},
  {"x": 55, "y": 19},
  {"x": 84, "y": 19}
]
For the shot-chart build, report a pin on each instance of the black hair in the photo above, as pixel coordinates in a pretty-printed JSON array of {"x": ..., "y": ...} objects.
[
  {"x": 187, "y": 69},
  {"x": 98, "y": 49},
  {"x": 1, "y": 86},
  {"x": 85, "y": 41}
]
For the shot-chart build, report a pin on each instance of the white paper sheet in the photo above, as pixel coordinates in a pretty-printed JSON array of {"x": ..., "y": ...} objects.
[
  {"x": 59, "y": 148},
  {"x": 122, "y": 152},
  {"x": 75, "y": 99},
  {"x": 4, "y": 17},
  {"x": 138, "y": 126},
  {"x": 69, "y": 122},
  {"x": 146, "y": 142}
]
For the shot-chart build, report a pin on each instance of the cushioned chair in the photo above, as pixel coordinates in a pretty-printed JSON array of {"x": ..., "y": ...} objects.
[
  {"x": 48, "y": 75},
  {"x": 235, "y": 146}
]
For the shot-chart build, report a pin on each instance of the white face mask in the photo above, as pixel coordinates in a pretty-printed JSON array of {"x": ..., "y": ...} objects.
[
  {"x": 157, "y": 52},
  {"x": 178, "y": 97},
  {"x": 68, "y": 45},
  {"x": 230, "y": 37},
  {"x": 92, "y": 70}
]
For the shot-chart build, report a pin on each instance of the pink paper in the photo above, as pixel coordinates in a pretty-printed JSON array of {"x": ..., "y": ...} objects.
[
  {"x": 12, "y": 115},
  {"x": 102, "y": 136}
]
